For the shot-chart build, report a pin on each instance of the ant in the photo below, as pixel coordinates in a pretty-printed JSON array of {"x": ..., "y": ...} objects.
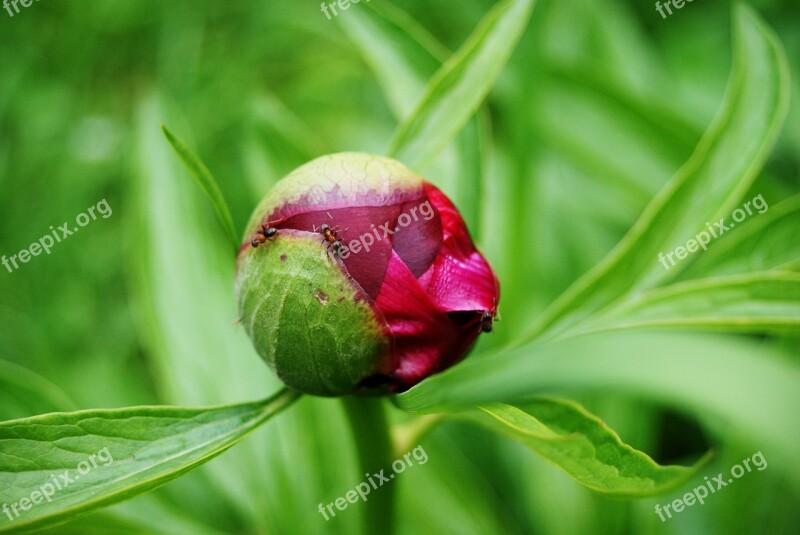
[
  {"x": 487, "y": 321},
  {"x": 264, "y": 233},
  {"x": 331, "y": 235}
]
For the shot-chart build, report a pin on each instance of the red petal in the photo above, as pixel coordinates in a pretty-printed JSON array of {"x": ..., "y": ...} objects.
[
  {"x": 460, "y": 278},
  {"x": 425, "y": 339},
  {"x": 418, "y": 237}
]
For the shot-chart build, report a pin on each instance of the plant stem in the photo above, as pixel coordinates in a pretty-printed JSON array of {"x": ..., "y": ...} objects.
[
  {"x": 367, "y": 417},
  {"x": 278, "y": 402}
]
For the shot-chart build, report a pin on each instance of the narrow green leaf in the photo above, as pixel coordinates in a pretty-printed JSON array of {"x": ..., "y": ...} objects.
[
  {"x": 566, "y": 434},
  {"x": 207, "y": 182},
  {"x": 196, "y": 354},
  {"x": 737, "y": 384},
  {"x": 474, "y": 153},
  {"x": 757, "y": 302},
  {"x": 279, "y": 142},
  {"x": 462, "y": 83},
  {"x": 276, "y": 141},
  {"x": 281, "y": 124},
  {"x": 706, "y": 188},
  {"x": 24, "y": 393},
  {"x": 400, "y": 63},
  {"x": 767, "y": 242},
  {"x": 569, "y": 110},
  {"x": 403, "y": 56},
  {"x": 89, "y": 459}
]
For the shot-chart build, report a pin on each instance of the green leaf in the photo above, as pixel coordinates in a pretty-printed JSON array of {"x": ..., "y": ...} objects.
[
  {"x": 756, "y": 302},
  {"x": 207, "y": 182},
  {"x": 706, "y": 188},
  {"x": 568, "y": 111},
  {"x": 403, "y": 56},
  {"x": 473, "y": 182},
  {"x": 579, "y": 443},
  {"x": 197, "y": 354},
  {"x": 278, "y": 142},
  {"x": 459, "y": 87},
  {"x": 24, "y": 393},
  {"x": 385, "y": 37},
  {"x": 767, "y": 242},
  {"x": 736, "y": 384},
  {"x": 115, "y": 454}
]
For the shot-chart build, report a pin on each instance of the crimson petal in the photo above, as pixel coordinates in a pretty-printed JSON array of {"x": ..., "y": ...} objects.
[
  {"x": 460, "y": 278},
  {"x": 425, "y": 340}
]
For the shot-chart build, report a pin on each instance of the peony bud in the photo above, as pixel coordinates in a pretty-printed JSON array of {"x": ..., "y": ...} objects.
[{"x": 356, "y": 275}]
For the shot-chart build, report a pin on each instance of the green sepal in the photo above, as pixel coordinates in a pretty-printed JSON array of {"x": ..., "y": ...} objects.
[{"x": 307, "y": 318}]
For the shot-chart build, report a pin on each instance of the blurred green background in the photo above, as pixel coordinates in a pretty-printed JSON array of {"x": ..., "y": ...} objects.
[{"x": 600, "y": 104}]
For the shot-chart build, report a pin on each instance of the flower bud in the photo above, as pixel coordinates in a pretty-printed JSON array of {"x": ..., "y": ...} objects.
[{"x": 358, "y": 276}]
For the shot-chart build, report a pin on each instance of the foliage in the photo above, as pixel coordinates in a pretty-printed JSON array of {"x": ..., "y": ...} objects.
[{"x": 563, "y": 173}]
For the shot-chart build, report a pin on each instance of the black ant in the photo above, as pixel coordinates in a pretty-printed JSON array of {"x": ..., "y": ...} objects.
[
  {"x": 487, "y": 319},
  {"x": 487, "y": 322},
  {"x": 331, "y": 235},
  {"x": 264, "y": 233}
]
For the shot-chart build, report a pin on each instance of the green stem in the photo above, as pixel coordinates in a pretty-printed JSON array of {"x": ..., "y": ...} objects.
[
  {"x": 373, "y": 442},
  {"x": 278, "y": 402}
]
